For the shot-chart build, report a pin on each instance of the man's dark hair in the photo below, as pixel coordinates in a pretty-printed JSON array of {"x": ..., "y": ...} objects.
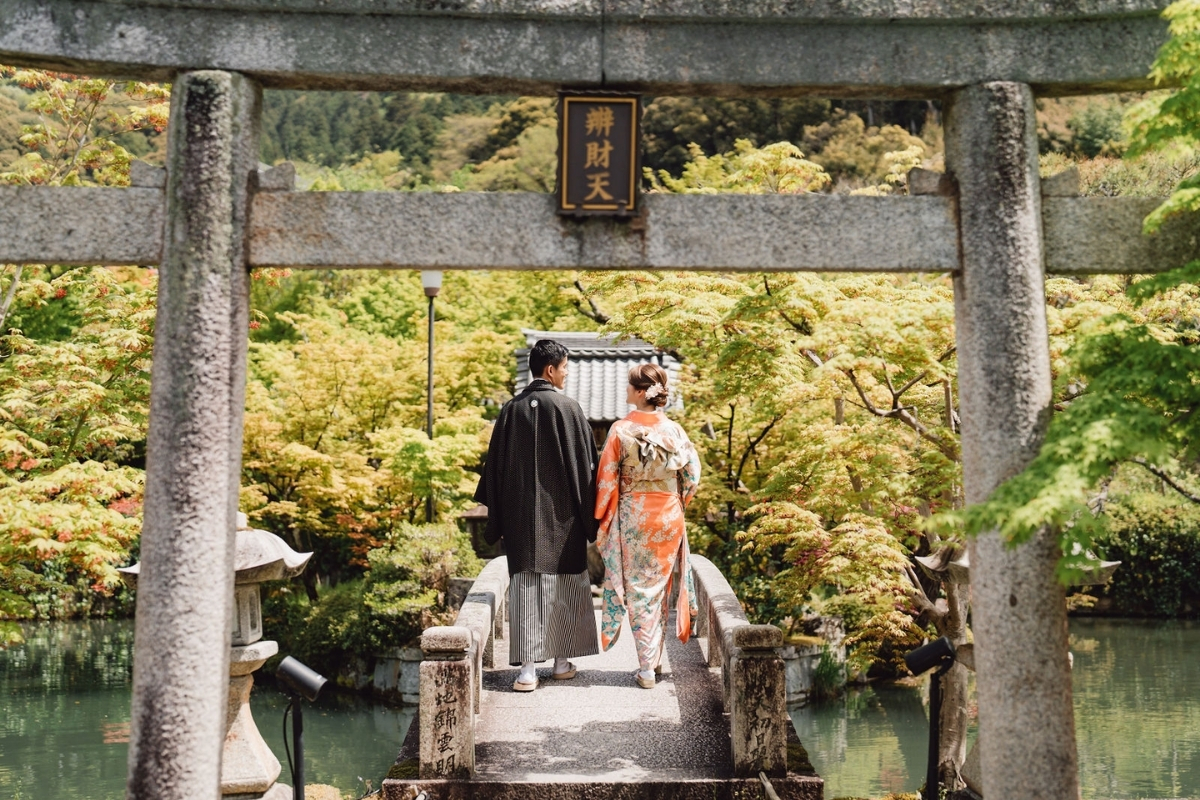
[{"x": 546, "y": 353}]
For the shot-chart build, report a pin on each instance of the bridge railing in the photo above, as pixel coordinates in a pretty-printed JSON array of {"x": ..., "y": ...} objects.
[
  {"x": 452, "y": 676},
  {"x": 747, "y": 655},
  {"x": 752, "y": 671}
]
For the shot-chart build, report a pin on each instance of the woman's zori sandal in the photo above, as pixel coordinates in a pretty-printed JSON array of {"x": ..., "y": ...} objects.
[{"x": 570, "y": 672}]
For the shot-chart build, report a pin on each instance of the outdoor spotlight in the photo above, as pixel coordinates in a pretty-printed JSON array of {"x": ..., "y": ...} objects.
[
  {"x": 299, "y": 682},
  {"x": 938, "y": 653},
  {"x": 299, "y": 679}
]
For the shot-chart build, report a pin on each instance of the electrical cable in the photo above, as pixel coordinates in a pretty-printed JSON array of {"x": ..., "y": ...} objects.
[{"x": 286, "y": 749}]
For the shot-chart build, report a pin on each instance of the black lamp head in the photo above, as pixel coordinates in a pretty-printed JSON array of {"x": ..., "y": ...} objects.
[
  {"x": 299, "y": 679},
  {"x": 938, "y": 653}
]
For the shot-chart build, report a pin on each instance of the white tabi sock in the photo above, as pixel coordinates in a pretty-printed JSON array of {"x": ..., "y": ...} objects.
[
  {"x": 528, "y": 673},
  {"x": 561, "y": 665}
]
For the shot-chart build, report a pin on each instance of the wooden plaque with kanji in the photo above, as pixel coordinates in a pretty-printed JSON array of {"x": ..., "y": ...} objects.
[{"x": 598, "y": 147}]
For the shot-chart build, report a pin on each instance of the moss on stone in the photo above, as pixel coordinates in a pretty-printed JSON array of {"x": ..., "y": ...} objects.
[
  {"x": 798, "y": 640},
  {"x": 408, "y": 769},
  {"x": 797, "y": 759}
]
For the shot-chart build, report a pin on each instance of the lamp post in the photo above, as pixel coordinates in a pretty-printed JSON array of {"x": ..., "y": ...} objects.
[{"x": 431, "y": 282}]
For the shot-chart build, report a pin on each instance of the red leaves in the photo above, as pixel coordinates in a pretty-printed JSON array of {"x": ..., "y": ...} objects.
[{"x": 127, "y": 506}]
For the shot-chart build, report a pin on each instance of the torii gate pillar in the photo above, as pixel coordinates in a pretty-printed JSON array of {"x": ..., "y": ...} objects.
[
  {"x": 185, "y": 591},
  {"x": 1026, "y": 720}
]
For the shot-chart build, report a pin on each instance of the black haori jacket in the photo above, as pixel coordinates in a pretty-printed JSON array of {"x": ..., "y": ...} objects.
[{"x": 539, "y": 483}]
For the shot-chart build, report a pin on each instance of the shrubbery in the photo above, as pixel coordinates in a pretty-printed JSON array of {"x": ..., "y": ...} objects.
[
  {"x": 403, "y": 592},
  {"x": 1157, "y": 540}
]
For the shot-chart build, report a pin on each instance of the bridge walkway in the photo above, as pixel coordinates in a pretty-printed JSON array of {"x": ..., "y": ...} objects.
[
  {"x": 714, "y": 727},
  {"x": 601, "y": 726}
]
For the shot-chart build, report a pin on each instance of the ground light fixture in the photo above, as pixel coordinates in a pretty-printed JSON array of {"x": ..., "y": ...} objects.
[
  {"x": 937, "y": 654},
  {"x": 300, "y": 683}
]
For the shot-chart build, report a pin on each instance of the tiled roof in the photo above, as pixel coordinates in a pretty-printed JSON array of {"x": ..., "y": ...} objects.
[{"x": 600, "y": 370}]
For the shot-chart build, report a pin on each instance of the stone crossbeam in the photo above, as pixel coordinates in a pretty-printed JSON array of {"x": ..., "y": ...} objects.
[
  {"x": 510, "y": 231},
  {"x": 394, "y": 230},
  {"x": 77, "y": 225},
  {"x": 874, "y": 48}
]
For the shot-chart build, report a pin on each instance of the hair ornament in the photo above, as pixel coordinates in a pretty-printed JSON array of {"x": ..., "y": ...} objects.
[{"x": 655, "y": 390}]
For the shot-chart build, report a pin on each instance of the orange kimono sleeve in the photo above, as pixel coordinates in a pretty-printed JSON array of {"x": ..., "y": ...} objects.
[{"x": 608, "y": 484}]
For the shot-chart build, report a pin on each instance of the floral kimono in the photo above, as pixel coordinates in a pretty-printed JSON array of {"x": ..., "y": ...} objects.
[{"x": 648, "y": 472}]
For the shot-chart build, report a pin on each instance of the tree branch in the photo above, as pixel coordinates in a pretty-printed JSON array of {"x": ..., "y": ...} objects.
[
  {"x": 917, "y": 593},
  {"x": 924, "y": 373},
  {"x": 800, "y": 327},
  {"x": 1168, "y": 480},
  {"x": 595, "y": 314},
  {"x": 8, "y": 296},
  {"x": 901, "y": 413},
  {"x": 754, "y": 443},
  {"x": 729, "y": 449},
  {"x": 887, "y": 377},
  {"x": 911, "y": 384}
]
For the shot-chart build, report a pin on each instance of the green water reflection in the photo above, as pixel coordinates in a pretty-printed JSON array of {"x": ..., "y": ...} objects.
[
  {"x": 64, "y": 722},
  {"x": 1137, "y": 715},
  {"x": 868, "y": 742},
  {"x": 64, "y": 719},
  {"x": 1137, "y": 708}
]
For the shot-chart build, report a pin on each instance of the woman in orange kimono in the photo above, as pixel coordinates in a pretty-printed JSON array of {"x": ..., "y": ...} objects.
[{"x": 648, "y": 472}]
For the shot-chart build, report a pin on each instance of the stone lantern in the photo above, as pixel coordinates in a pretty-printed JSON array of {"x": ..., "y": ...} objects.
[{"x": 248, "y": 767}]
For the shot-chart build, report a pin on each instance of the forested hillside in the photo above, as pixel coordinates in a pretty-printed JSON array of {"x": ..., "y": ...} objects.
[{"x": 498, "y": 143}]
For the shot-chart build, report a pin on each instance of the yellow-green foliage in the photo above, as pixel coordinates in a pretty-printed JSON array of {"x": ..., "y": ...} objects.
[
  {"x": 71, "y": 412},
  {"x": 74, "y": 139},
  {"x": 402, "y": 592},
  {"x": 778, "y": 168},
  {"x": 856, "y": 154},
  {"x": 333, "y": 443}
]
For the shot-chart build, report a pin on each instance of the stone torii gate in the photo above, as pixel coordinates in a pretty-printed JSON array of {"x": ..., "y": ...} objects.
[{"x": 214, "y": 217}]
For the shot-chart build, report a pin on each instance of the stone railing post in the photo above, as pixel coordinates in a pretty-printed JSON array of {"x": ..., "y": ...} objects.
[
  {"x": 447, "y": 711},
  {"x": 758, "y": 721},
  {"x": 1026, "y": 721},
  {"x": 194, "y": 445}
]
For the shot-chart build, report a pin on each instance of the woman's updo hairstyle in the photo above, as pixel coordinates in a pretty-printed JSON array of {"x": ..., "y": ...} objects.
[{"x": 643, "y": 376}]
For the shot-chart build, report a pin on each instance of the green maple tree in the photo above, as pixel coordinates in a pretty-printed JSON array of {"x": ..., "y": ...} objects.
[{"x": 1127, "y": 386}]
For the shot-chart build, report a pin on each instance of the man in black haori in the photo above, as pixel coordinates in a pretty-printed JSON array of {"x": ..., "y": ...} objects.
[{"x": 539, "y": 488}]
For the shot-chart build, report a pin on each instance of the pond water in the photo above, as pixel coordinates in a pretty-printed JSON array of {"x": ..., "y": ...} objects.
[
  {"x": 1137, "y": 716},
  {"x": 64, "y": 719}
]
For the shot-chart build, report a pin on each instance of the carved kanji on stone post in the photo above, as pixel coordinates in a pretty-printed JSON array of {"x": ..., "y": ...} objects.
[{"x": 447, "y": 711}]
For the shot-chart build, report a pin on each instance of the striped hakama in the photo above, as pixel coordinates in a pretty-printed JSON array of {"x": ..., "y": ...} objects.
[{"x": 550, "y": 616}]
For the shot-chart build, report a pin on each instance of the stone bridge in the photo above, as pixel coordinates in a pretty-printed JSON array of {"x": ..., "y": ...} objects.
[
  {"x": 991, "y": 224},
  {"x": 715, "y": 725}
]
